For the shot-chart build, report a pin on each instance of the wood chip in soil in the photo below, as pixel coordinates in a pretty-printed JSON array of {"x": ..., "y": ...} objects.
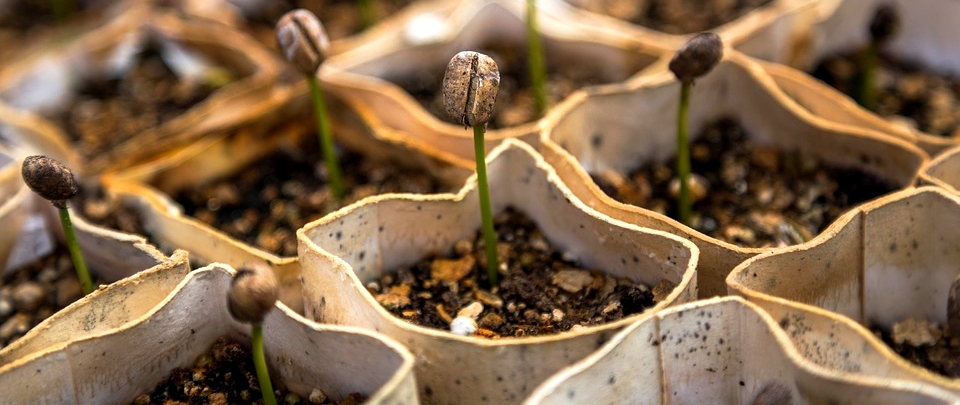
[
  {"x": 673, "y": 16},
  {"x": 266, "y": 202},
  {"x": 924, "y": 343},
  {"x": 541, "y": 292},
  {"x": 225, "y": 375},
  {"x": 34, "y": 292},
  {"x": 753, "y": 195},
  {"x": 906, "y": 93}
]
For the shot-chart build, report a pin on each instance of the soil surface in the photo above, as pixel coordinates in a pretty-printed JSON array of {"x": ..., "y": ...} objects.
[
  {"x": 107, "y": 112},
  {"x": 673, "y": 16},
  {"x": 752, "y": 195},
  {"x": 540, "y": 291},
  {"x": 225, "y": 375},
  {"x": 97, "y": 208},
  {"x": 925, "y": 344},
  {"x": 266, "y": 202},
  {"x": 515, "y": 103},
  {"x": 35, "y": 292},
  {"x": 906, "y": 92}
]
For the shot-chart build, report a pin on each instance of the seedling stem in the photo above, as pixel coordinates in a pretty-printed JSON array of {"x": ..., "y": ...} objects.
[
  {"x": 684, "y": 204},
  {"x": 75, "y": 254},
  {"x": 368, "y": 13},
  {"x": 260, "y": 364},
  {"x": 486, "y": 214},
  {"x": 326, "y": 139},
  {"x": 538, "y": 74}
]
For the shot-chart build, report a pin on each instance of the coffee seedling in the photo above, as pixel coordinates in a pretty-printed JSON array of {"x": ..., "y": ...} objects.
[
  {"x": 535, "y": 60},
  {"x": 253, "y": 293},
  {"x": 304, "y": 43},
  {"x": 54, "y": 182},
  {"x": 470, "y": 87},
  {"x": 884, "y": 25},
  {"x": 694, "y": 59}
]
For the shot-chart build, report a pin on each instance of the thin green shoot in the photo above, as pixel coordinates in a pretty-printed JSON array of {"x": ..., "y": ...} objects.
[
  {"x": 486, "y": 214},
  {"x": 79, "y": 264},
  {"x": 536, "y": 60},
  {"x": 334, "y": 178},
  {"x": 260, "y": 364}
]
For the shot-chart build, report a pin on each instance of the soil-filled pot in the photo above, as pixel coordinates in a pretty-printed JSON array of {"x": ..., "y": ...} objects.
[
  {"x": 774, "y": 30},
  {"x": 923, "y": 44},
  {"x": 345, "y": 251},
  {"x": 392, "y": 77},
  {"x": 887, "y": 262},
  {"x": 142, "y": 84},
  {"x": 115, "y": 366},
  {"x": 944, "y": 170},
  {"x": 615, "y": 135},
  {"x": 721, "y": 350}
]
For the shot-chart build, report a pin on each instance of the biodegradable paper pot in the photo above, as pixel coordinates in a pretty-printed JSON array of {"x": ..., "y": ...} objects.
[
  {"x": 944, "y": 170},
  {"x": 926, "y": 37},
  {"x": 342, "y": 252},
  {"x": 44, "y": 82},
  {"x": 104, "y": 309},
  {"x": 114, "y": 366},
  {"x": 623, "y": 128},
  {"x": 891, "y": 259},
  {"x": 778, "y": 31},
  {"x": 425, "y": 39},
  {"x": 722, "y": 350}
]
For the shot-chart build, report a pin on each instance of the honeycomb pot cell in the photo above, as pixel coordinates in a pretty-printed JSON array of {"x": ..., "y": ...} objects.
[
  {"x": 918, "y": 67},
  {"x": 392, "y": 76},
  {"x": 143, "y": 83},
  {"x": 341, "y": 253},
  {"x": 116, "y": 365},
  {"x": 943, "y": 170},
  {"x": 721, "y": 350},
  {"x": 901, "y": 246},
  {"x": 773, "y": 30},
  {"x": 624, "y": 136}
]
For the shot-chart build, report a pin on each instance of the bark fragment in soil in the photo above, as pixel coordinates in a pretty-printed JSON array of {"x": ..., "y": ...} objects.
[
  {"x": 540, "y": 293},
  {"x": 906, "y": 92},
  {"x": 35, "y": 292},
  {"x": 755, "y": 195},
  {"x": 673, "y": 16},
  {"x": 926, "y": 344},
  {"x": 225, "y": 375},
  {"x": 266, "y": 202}
]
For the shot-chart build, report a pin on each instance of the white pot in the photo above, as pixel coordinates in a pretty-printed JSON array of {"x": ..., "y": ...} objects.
[{"x": 943, "y": 170}]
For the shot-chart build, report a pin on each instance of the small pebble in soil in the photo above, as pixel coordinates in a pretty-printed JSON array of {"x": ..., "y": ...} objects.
[
  {"x": 225, "y": 375},
  {"x": 755, "y": 195},
  {"x": 540, "y": 293},
  {"x": 673, "y": 16},
  {"x": 924, "y": 343}
]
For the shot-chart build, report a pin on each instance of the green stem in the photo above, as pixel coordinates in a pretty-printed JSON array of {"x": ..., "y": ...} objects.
[
  {"x": 326, "y": 139},
  {"x": 260, "y": 363},
  {"x": 368, "y": 14},
  {"x": 486, "y": 214},
  {"x": 538, "y": 72},
  {"x": 684, "y": 205},
  {"x": 75, "y": 254},
  {"x": 867, "y": 95}
]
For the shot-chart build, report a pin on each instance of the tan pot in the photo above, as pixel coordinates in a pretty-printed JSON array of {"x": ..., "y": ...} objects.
[
  {"x": 636, "y": 123},
  {"x": 925, "y": 38},
  {"x": 943, "y": 170},
  {"x": 721, "y": 350},
  {"x": 891, "y": 259},
  {"x": 340, "y": 253},
  {"x": 42, "y": 82},
  {"x": 115, "y": 365},
  {"x": 425, "y": 39}
]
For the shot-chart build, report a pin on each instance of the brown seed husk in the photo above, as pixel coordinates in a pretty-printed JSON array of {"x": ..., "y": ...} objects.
[
  {"x": 697, "y": 57},
  {"x": 253, "y": 292},
  {"x": 470, "y": 87},
  {"x": 50, "y": 179},
  {"x": 885, "y": 23},
  {"x": 302, "y": 40}
]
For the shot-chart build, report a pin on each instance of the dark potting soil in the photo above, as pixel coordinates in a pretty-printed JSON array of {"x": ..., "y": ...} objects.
[
  {"x": 940, "y": 354},
  {"x": 540, "y": 292},
  {"x": 918, "y": 97},
  {"x": 107, "y": 112},
  {"x": 225, "y": 375},
  {"x": 35, "y": 292},
  {"x": 673, "y": 16},
  {"x": 99, "y": 209},
  {"x": 754, "y": 196},
  {"x": 267, "y": 201},
  {"x": 515, "y": 102}
]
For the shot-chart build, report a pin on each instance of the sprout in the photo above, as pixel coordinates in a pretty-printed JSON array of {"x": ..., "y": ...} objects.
[
  {"x": 535, "y": 59},
  {"x": 304, "y": 43},
  {"x": 884, "y": 25},
  {"x": 253, "y": 293},
  {"x": 470, "y": 87},
  {"x": 54, "y": 182},
  {"x": 694, "y": 59}
]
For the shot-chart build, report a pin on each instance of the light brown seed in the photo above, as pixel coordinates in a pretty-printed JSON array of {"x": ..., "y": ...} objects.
[
  {"x": 50, "y": 179},
  {"x": 470, "y": 87},
  {"x": 697, "y": 57},
  {"x": 302, "y": 40},
  {"x": 253, "y": 292}
]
